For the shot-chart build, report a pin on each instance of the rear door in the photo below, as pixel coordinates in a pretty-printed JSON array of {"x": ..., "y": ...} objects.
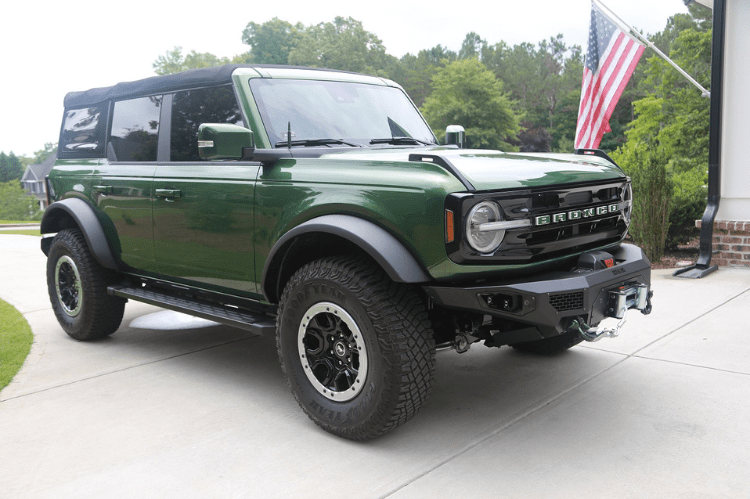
[
  {"x": 203, "y": 210},
  {"x": 122, "y": 184}
]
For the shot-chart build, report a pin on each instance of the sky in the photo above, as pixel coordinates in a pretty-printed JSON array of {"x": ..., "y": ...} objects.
[{"x": 52, "y": 48}]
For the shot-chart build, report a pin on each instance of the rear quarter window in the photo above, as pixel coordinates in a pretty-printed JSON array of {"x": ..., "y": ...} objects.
[{"x": 82, "y": 133}]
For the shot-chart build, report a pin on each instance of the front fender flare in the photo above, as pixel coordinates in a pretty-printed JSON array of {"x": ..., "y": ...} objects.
[
  {"x": 392, "y": 256},
  {"x": 84, "y": 217}
]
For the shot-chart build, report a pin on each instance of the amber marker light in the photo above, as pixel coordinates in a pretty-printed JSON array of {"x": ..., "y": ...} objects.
[{"x": 450, "y": 234}]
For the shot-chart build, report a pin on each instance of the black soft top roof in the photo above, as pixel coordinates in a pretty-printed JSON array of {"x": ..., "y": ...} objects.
[{"x": 169, "y": 83}]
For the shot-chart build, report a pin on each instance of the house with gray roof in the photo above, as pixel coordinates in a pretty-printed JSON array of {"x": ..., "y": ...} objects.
[{"x": 33, "y": 179}]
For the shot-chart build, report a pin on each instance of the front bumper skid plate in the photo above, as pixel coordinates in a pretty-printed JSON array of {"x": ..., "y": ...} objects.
[{"x": 558, "y": 301}]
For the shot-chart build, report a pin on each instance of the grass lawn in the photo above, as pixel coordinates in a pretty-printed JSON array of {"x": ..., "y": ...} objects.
[
  {"x": 25, "y": 232},
  {"x": 15, "y": 342},
  {"x": 19, "y": 222}
]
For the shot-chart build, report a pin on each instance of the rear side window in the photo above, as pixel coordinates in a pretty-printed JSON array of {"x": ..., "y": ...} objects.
[
  {"x": 82, "y": 135},
  {"x": 193, "y": 107},
  {"x": 135, "y": 128}
]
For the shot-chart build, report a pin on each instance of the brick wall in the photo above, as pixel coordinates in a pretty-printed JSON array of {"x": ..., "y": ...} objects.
[{"x": 731, "y": 244}]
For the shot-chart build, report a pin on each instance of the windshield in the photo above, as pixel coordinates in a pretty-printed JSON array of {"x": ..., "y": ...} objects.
[{"x": 352, "y": 112}]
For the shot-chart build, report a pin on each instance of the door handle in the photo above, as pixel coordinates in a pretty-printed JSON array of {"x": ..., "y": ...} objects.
[
  {"x": 168, "y": 193},
  {"x": 104, "y": 189}
]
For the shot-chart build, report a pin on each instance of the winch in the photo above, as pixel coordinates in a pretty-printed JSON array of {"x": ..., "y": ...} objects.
[{"x": 635, "y": 296}]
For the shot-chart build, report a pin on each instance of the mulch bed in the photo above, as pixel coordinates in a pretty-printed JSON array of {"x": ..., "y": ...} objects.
[{"x": 684, "y": 256}]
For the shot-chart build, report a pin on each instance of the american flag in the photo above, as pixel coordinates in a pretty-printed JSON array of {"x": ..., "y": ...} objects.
[{"x": 610, "y": 60}]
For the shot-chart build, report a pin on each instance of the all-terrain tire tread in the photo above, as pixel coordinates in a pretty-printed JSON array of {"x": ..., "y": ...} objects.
[
  {"x": 403, "y": 333},
  {"x": 102, "y": 314}
]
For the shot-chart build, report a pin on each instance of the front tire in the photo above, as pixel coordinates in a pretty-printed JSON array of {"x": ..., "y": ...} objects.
[
  {"x": 356, "y": 348},
  {"x": 77, "y": 287}
]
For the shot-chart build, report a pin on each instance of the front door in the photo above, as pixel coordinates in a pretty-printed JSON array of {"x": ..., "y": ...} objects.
[
  {"x": 203, "y": 210},
  {"x": 203, "y": 223}
]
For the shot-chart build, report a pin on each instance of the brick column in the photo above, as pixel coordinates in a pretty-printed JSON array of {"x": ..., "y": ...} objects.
[{"x": 731, "y": 243}]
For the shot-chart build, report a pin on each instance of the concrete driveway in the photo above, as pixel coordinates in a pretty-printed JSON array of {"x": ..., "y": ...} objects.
[{"x": 170, "y": 406}]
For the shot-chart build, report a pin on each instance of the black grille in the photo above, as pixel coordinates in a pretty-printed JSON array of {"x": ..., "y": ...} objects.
[
  {"x": 564, "y": 221},
  {"x": 567, "y": 301}
]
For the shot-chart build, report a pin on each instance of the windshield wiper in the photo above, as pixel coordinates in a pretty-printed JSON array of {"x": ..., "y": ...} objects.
[
  {"x": 314, "y": 142},
  {"x": 401, "y": 140}
]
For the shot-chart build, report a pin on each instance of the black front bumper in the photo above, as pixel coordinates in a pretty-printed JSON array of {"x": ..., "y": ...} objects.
[{"x": 551, "y": 301}]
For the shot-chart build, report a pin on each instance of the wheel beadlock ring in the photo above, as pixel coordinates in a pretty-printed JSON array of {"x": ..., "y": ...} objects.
[
  {"x": 332, "y": 352},
  {"x": 68, "y": 286}
]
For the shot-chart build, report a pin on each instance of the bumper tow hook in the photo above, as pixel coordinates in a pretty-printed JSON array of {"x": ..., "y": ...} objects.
[
  {"x": 636, "y": 297},
  {"x": 596, "y": 333}
]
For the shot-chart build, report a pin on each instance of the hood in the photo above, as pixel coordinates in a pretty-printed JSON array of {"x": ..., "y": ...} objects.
[{"x": 492, "y": 170}]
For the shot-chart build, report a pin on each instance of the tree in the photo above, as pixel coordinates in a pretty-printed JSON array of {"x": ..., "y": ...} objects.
[
  {"x": 15, "y": 204},
  {"x": 545, "y": 81},
  {"x": 674, "y": 118},
  {"x": 272, "y": 41},
  {"x": 552, "y": 62},
  {"x": 10, "y": 167},
  {"x": 343, "y": 44},
  {"x": 518, "y": 69},
  {"x": 174, "y": 62},
  {"x": 169, "y": 63},
  {"x": 416, "y": 72},
  {"x": 472, "y": 47},
  {"x": 49, "y": 149},
  {"x": 466, "y": 93}
]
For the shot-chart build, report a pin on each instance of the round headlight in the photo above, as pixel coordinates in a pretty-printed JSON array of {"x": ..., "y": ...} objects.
[{"x": 484, "y": 241}]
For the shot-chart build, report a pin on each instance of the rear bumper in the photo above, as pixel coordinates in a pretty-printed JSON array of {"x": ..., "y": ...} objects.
[{"x": 552, "y": 301}]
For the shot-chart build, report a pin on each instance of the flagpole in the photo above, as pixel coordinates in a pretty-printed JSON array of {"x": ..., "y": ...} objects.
[{"x": 704, "y": 92}]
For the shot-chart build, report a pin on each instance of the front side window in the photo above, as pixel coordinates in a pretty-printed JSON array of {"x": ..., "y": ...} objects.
[
  {"x": 190, "y": 109},
  {"x": 135, "y": 128},
  {"x": 82, "y": 132},
  {"x": 354, "y": 112}
]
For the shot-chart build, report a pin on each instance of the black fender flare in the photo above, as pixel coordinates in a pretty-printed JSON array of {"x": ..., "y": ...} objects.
[
  {"x": 392, "y": 256},
  {"x": 83, "y": 215}
]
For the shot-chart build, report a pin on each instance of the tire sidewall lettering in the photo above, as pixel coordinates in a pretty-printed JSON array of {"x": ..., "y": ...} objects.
[
  {"x": 354, "y": 411},
  {"x": 301, "y": 299}
]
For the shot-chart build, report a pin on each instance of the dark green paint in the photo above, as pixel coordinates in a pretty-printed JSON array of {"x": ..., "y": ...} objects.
[
  {"x": 212, "y": 224},
  {"x": 204, "y": 233},
  {"x": 223, "y": 141}
]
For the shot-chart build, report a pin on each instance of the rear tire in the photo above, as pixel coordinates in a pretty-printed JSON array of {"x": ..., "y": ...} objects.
[
  {"x": 356, "y": 348},
  {"x": 77, "y": 287}
]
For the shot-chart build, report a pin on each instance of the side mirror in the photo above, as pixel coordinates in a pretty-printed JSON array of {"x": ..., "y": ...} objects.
[
  {"x": 455, "y": 135},
  {"x": 223, "y": 141}
]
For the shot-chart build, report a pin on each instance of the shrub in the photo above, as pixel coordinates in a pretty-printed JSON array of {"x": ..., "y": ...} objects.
[
  {"x": 688, "y": 204},
  {"x": 653, "y": 191},
  {"x": 16, "y": 204}
]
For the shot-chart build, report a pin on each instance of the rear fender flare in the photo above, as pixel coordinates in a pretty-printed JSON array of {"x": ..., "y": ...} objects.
[{"x": 84, "y": 217}]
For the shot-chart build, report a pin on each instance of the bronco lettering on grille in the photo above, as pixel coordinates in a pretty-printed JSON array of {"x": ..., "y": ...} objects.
[{"x": 575, "y": 215}]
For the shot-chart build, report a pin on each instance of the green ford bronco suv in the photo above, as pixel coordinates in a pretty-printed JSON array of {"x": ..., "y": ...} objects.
[{"x": 318, "y": 206}]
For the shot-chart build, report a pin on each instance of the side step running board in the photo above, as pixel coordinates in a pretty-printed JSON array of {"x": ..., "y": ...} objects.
[{"x": 257, "y": 323}]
